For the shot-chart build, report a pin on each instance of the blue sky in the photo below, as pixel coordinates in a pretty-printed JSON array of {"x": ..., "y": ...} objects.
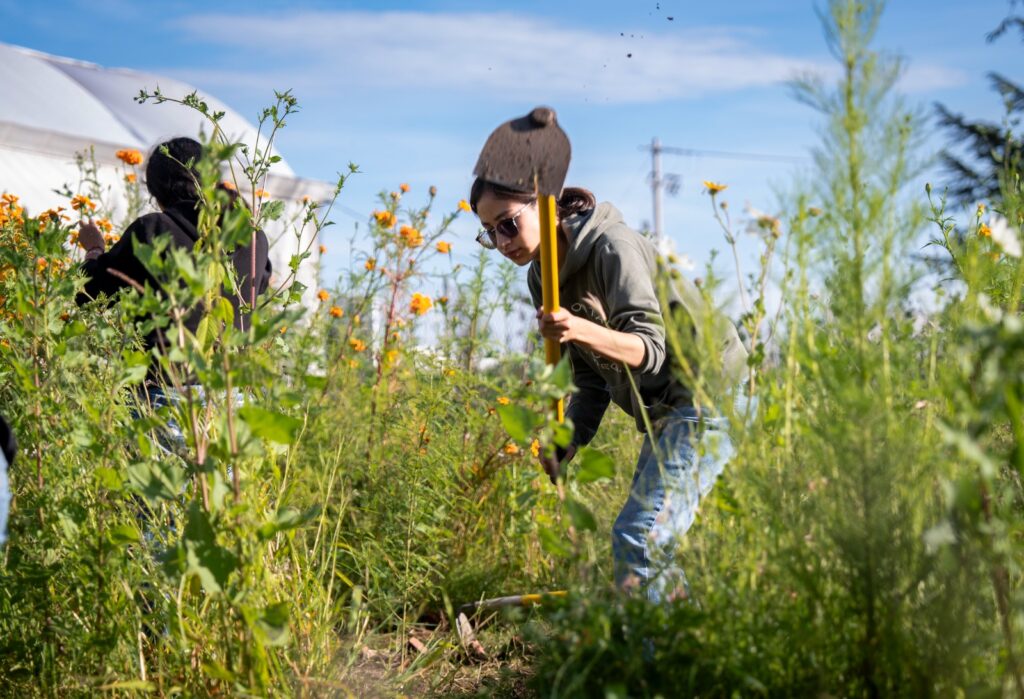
[{"x": 410, "y": 90}]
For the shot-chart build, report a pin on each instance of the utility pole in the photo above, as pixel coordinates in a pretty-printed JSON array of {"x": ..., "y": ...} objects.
[{"x": 656, "y": 188}]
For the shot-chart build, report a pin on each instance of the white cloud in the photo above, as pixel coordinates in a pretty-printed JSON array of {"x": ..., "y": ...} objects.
[{"x": 493, "y": 55}]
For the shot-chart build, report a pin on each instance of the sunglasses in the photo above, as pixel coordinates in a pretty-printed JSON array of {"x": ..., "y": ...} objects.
[{"x": 506, "y": 228}]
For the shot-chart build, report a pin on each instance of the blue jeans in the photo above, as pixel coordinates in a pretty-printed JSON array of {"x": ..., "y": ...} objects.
[{"x": 663, "y": 501}]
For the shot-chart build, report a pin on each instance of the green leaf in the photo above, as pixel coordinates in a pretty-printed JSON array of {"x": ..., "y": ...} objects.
[
  {"x": 273, "y": 623},
  {"x": 272, "y": 210},
  {"x": 287, "y": 518},
  {"x": 582, "y": 518},
  {"x": 210, "y": 562},
  {"x": 518, "y": 421},
  {"x": 594, "y": 465},
  {"x": 270, "y": 425},
  {"x": 123, "y": 534},
  {"x": 157, "y": 480},
  {"x": 553, "y": 542}
]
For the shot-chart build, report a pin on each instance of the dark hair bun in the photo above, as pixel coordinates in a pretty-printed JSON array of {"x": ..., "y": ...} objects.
[
  {"x": 543, "y": 116},
  {"x": 170, "y": 173}
]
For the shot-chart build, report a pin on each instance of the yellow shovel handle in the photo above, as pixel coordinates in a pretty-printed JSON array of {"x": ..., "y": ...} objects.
[{"x": 549, "y": 278}]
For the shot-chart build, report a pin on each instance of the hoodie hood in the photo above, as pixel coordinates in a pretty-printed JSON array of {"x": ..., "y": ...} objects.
[{"x": 582, "y": 232}]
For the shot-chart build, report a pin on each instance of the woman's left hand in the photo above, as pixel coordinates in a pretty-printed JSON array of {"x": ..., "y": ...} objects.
[
  {"x": 559, "y": 325},
  {"x": 90, "y": 237}
]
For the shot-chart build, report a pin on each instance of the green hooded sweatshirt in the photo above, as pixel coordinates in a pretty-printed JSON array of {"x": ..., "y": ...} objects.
[{"x": 609, "y": 276}]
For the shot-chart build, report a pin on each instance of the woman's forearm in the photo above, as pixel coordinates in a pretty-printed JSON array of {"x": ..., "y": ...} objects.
[{"x": 610, "y": 344}]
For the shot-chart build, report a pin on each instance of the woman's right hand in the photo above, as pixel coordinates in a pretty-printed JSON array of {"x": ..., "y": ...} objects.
[
  {"x": 90, "y": 237},
  {"x": 554, "y": 463}
]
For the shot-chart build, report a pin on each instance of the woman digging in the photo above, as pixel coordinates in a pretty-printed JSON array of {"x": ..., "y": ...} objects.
[{"x": 611, "y": 322}]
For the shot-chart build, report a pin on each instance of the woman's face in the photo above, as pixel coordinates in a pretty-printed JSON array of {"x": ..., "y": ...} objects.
[{"x": 494, "y": 210}]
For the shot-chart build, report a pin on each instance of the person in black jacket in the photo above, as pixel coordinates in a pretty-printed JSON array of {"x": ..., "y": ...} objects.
[
  {"x": 7, "y": 448},
  {"x": 171, "y": 180}
]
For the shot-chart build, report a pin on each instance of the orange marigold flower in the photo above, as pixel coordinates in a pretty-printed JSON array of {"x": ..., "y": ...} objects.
[
  {"x": 111, "y": 238},
  {"x": 82, "y": 203},
  {"x": 411, "y": 236},
  {"x": 323, "y": 295},
  {"x": 130, "y": 178},
  {"x": 443, "y": 247},
  {"x": 323, "y": 249},
  {"x": 443, "y": 300},
  {"x": 404, "y": 187},
  {"x": 337, "y": 311},
  {"x": 535, "y": 448},
  {"x": 385, "y": 219},
  {"x": 306, "y": 199},
  {"x": 511, "y": 449},
  {"x": 714, "y": 188},
  {"x": 371, "y": 264},
  {"x": 420, "y": 304},
  {"x": 356, "y": 344},
  {"x": 464, "y": 205},
  {"x": 283, "y": 330},
  {"x": 262, "y": 193},
  {"x": 390, "y": 356},
  {"x": 104, "y": 225},
  {"x": 502, "y": 400},
  {"x": 228, "y": 184},
  {"x": 41, "y": 264},
  {"x": 984, "y": 231},
  {"x": 129, "y": 156}
]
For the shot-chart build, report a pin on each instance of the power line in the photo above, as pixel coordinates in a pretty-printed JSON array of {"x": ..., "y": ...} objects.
[{"x": 659, "y": 181}]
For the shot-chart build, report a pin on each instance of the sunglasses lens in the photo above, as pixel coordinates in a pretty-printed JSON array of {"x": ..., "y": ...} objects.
[{"x": 507, "y": 228}]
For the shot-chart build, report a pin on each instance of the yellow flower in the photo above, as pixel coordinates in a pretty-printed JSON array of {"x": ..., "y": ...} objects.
[
  {"x": 41, "y": 264},
  {"x": 337, "y": 312},
  {"x": 306, "y": 199},
  {"x": 52, "y": 215},
  {"x": 353, "y": 363},
  {"x": 464, "y": 205},
  {"x": 535, "y": 448},
  {"x": 357, "y": 320},
  {"x": 511, "y": 449},
  {"x": 82, "y": 203},
  {"x": 130, "y": 178},
  {"x": 262, "y": 193},
  {"x": 323, "y": 295},
  {"x": 984, "y": 231},
  {"x": 411, "y": 236},
  {"x": 714, "y": 188},
  {"x": 228, "y": 184},
  {"x": 420, "y": 304},
  {"x": 129, "y": 156},
  {"x": 323, "y": 249},
  {"x": 502, "y": 400},
  {"x": 356, "y": 344},
  {"x": 450, "y": 372},
  {"x": 284, "y": 329},
  {"x": 443, "y": 247},
  {"x": 404, "y": 187},
  {"x": 390, "y": 356},
  {"x": 111, "y": 238},
  {"x": 104, "y": 225},
  {"x": 385, "y": 219},
  {"x": 371, "y": 264}
]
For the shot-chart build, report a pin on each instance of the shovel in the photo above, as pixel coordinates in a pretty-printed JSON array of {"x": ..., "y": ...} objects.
[{"x": 531, "y": 154}]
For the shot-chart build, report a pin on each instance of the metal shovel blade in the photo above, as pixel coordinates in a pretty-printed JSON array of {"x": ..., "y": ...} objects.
[{"x": 529, "y": 154}]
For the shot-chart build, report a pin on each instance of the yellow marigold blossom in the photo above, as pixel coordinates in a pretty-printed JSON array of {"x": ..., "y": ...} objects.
[
  {"x": 82, "y": 203},
  {"x": 337, "y": 312},
  {"x": 356, "y": 344},
  {"x": 228, "y": 184},
  {"x": 502, "y": 400},
  {"x": 404, "y": 187},
  {"x": 420, "y": 304},
  {"x": 104, "y": 225},
  {"x": 535, "y": 448},
  {"x": 323, "y": 249},
  {"x": 323, "y": 295},
  {"x": 73, "y": 237},
  {"x": 385, "y": 219},
  {"x": 464, "y": 205},
  {"x": 714, "y": 188},
  {"x": 984, "y": 231},
  {"x": 129, "y": 156},
  {"x": 111, "y": 238},
  {"x": 283, "y": 330},
  {"x": 371, "y": 264},
  {"x": 511, "y": 449},
  {"x": 130, "y": 178},
  {"x": 357, "y": 320},
  {"x": 353, "y": 363},
  {"x": 450, "y": 372},
  {"x": 261, "y": 193},
  {"x": 443, "y": 247},
  {"x": 41, "y": 264},
  {"x": 52, "y": 215},
  {"x": 411, "y": 236},
  {"x": 390, "y": 356}
]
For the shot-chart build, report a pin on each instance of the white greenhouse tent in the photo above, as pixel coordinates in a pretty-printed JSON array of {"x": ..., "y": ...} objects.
[{"x": 55, "y": 107}]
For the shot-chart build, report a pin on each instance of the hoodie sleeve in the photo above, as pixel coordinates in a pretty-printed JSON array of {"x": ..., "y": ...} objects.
[
  {"x": 120, "y": 257},
  {"x": 627, "y": 275}
]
